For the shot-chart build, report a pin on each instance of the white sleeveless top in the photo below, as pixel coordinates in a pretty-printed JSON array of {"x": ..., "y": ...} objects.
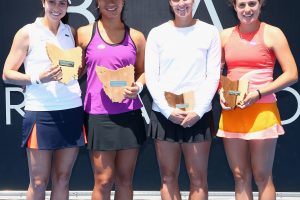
[{"x": 52, "y": 95}]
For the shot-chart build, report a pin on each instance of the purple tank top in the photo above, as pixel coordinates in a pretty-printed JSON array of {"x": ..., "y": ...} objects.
[{"x": 112, "y": 56}]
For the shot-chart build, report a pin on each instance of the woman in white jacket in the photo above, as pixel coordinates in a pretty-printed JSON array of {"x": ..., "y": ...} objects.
[{"x": 182, "y": 55}]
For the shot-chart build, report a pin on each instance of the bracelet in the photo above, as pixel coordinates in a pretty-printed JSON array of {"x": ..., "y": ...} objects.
[
  {"x": 34, "y": 79},
  {"x": 140, "y": 85},
  {"x": 259, "y": 94}
]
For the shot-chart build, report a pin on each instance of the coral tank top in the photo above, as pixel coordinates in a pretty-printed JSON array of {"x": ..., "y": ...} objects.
[{"x": 248, "y": 57}]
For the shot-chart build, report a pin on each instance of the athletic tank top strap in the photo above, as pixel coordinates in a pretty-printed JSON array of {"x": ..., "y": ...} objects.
[
  {"x": 127, "y": 30},
  {"x": 261, "y": 33},
  {"x": 234, "y": 33},
  {"x": 95, "y": 26},
  {"x": 126, "y": 38}
]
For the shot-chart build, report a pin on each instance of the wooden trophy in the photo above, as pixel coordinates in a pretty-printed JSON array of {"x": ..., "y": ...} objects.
[
  {"x": 69, "y": 60},
  {"x": 234, "y": 91},
  {"x": 114, "y": 81},
  {"x": 185, "y": 101}
]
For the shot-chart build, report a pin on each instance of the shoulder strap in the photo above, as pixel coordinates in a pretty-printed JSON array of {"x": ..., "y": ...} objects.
[
  {"x": 261, "y": 32},
  {"x": 95, "y": 28}
]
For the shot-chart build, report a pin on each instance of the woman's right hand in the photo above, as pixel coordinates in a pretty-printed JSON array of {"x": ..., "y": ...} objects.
[
  {"x": 222, "y": 100},
  {"x": 177, "y": 116},
  {"x": 54, "y": 73}
]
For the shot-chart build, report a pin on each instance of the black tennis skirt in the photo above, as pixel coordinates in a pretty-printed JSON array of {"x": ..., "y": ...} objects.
[
  {"x": 115, "y": 132},
  {"x": 163, "y": 129},
  {"x": 51, "y": 130}
]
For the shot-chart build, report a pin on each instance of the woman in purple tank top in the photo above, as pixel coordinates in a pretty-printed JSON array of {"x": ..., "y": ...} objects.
[{"x": 115, "y": 129}]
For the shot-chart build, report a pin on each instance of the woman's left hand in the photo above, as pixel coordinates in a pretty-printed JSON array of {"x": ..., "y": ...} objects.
[
  {"x": 250, "y": 99},
  {"x": 190, "y": 119},
  {"x": 131, "y": 92}
]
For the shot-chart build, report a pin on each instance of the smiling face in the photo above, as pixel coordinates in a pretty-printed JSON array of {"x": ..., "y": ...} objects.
[
  {"x": 182, "y": 8},
  {"x": 55, "y": 9},
  {"x": 110, "y": 8},
  {"x": 248, "y": 11}
]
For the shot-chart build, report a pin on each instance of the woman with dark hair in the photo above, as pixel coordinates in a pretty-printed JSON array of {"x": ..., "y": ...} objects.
[
  {"x": 182, "y": 55},
  {"x": 115, "y": 129},
  {"x": 53, "y": 121},
  {"x": 250, "y": 131}
]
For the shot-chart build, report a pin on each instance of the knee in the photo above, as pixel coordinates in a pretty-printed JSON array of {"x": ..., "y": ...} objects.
[
  {"x": 103, "y": 183},
  {"x": 124, "y": 180},
  {"x": 61, "y": 178},
  {"x": 38, "y": 185},
  {"x": 242, "y": 176},
  {"x": 261, "y": 177},
  {"x": 198, "y": 180},
  {"x": 169, "y": 177},
  {"x": 103, "y": 186}
]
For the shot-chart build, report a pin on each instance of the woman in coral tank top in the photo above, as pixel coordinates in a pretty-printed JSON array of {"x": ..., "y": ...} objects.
[{"x": 250, "y": 130}]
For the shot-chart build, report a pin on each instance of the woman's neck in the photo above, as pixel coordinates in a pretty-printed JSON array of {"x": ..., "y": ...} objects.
[
  {"x": 111, "y": 24},
  {"x": 52, "y": 26},
  {"x": 184, "y": 22},
  {"x": 249, "y": 28}
]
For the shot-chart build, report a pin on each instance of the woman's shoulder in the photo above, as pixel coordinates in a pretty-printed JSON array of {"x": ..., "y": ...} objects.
[
  {"x": 22, "y": 39},
  {"x": 205, "y": 24},
  {"x": 23, "y": 33},
  {"x": 225, "y": 33},
  {"x": 161, "y": 27},
  {"x": 273, "y": 35},
  {"x": 272, "y": 31},
  {"x": 205, "y": 29},
  {"x": 136, "y": 34},
  {"x": 85, "y": 29},
  {"x": 84, "y": 35}
]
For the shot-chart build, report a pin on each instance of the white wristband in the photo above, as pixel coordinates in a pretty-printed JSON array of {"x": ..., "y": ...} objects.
[
  {"x": 35, "y": 79},
  {"x": 140, "y": 85}
]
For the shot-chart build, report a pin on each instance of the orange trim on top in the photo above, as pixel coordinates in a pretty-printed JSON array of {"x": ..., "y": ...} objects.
[{"x": 32, "y": 142}]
